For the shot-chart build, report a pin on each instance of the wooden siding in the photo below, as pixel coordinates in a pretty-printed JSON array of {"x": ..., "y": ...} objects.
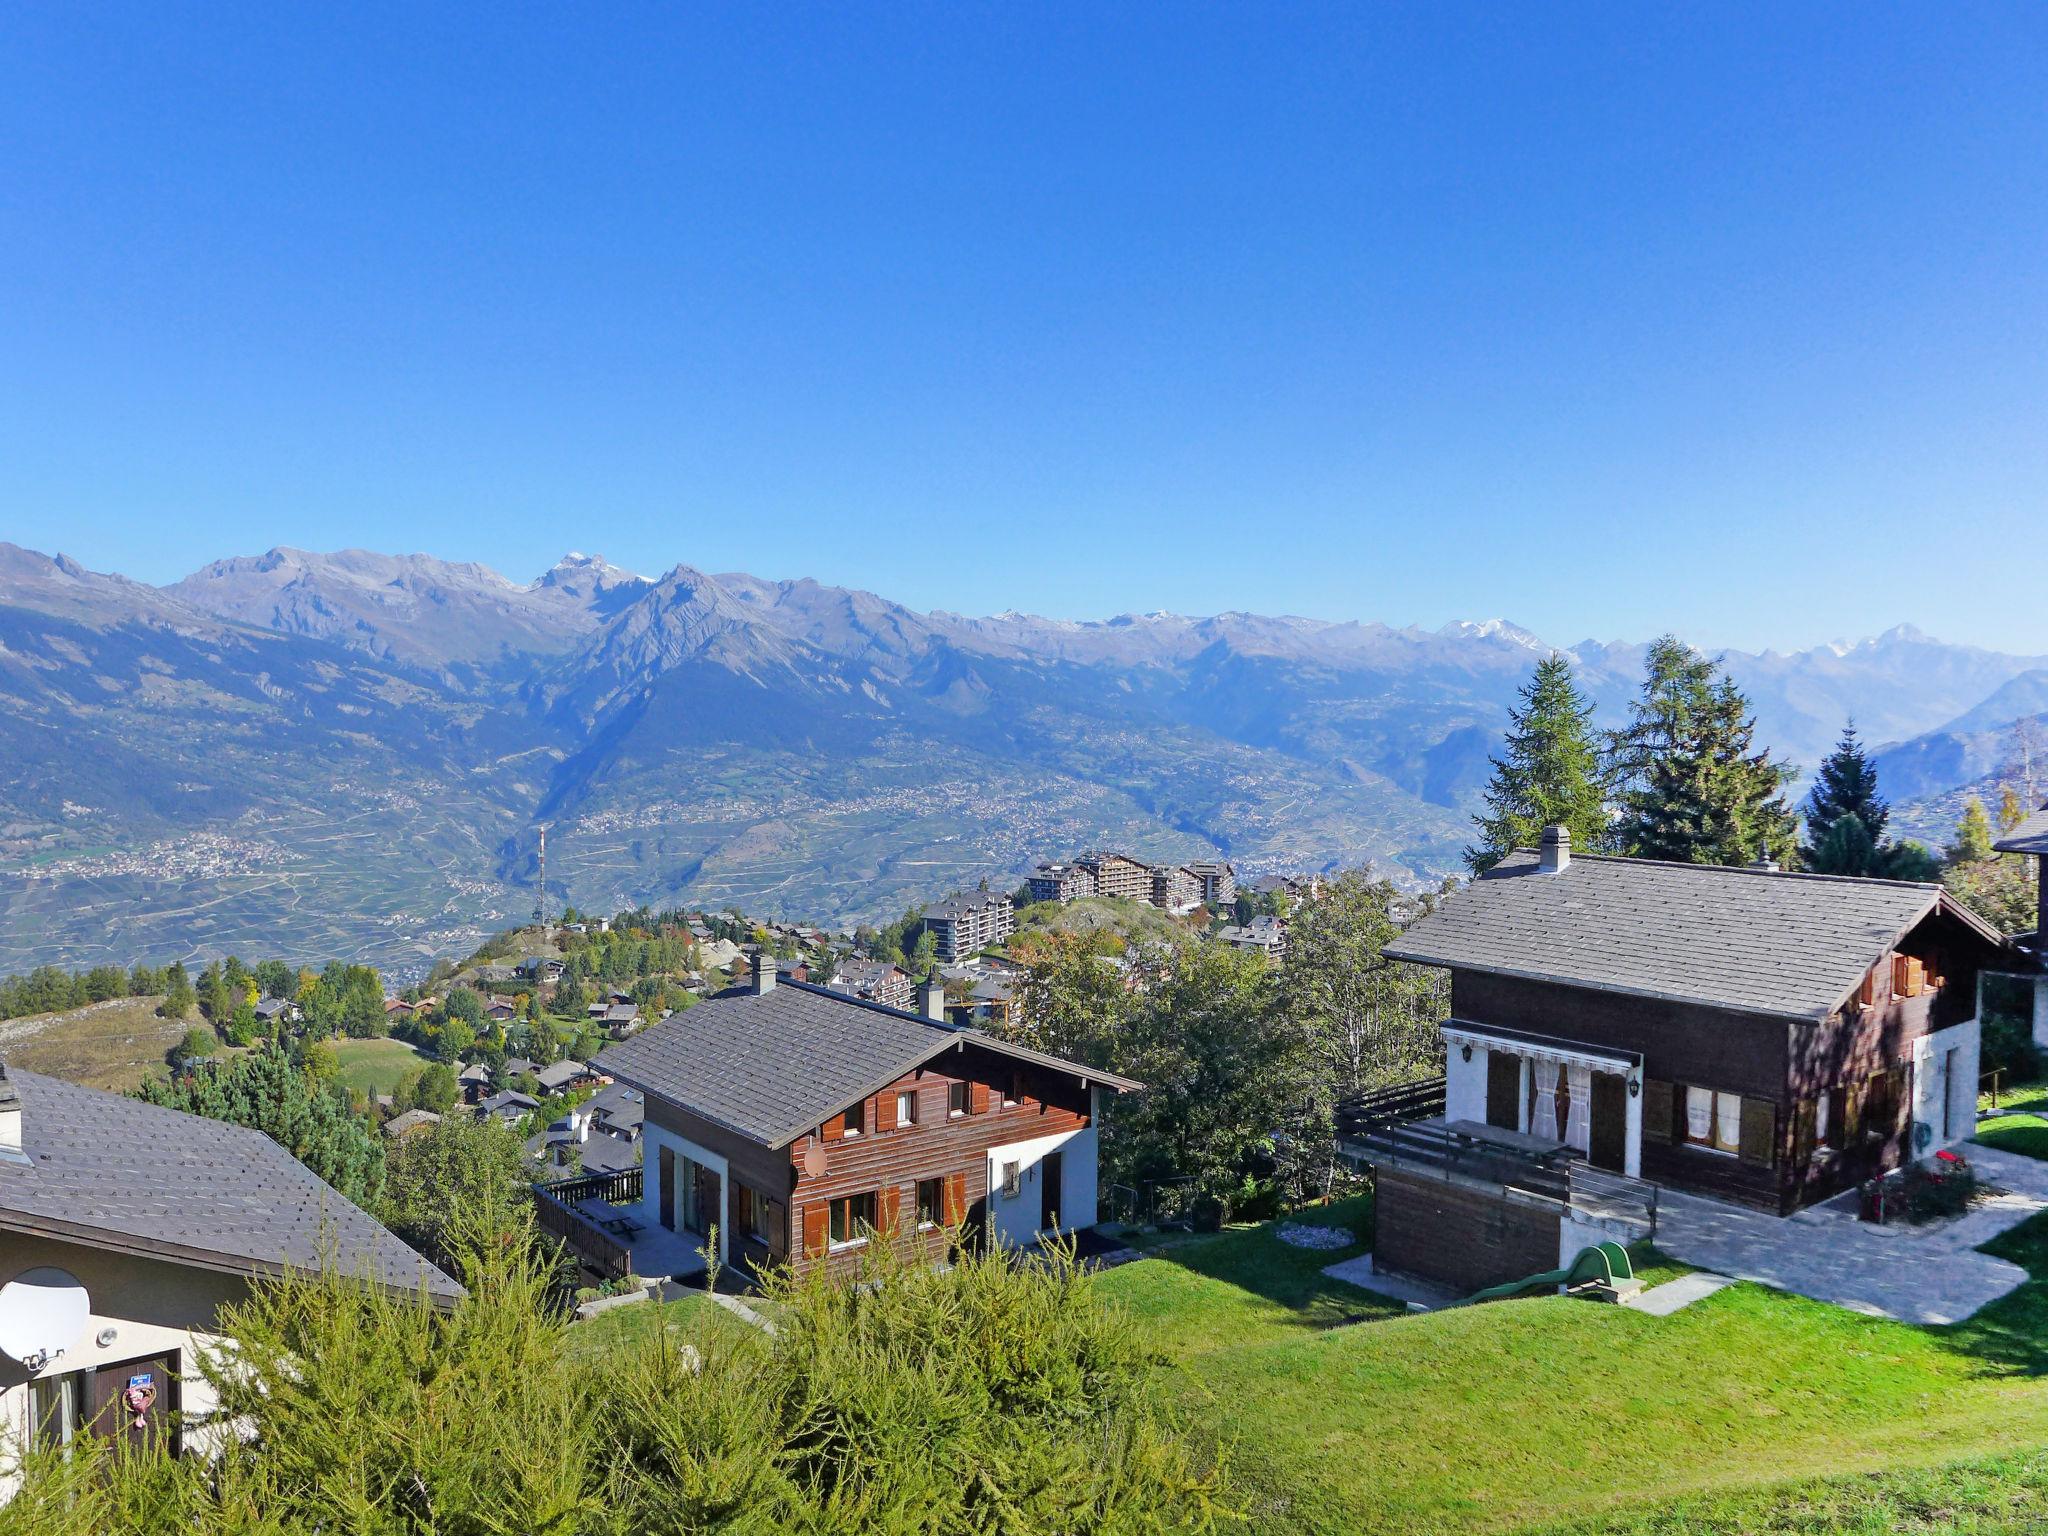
[
  {"x": 887, "y": 1158},
  {"x": 1457, "y": 1236}
]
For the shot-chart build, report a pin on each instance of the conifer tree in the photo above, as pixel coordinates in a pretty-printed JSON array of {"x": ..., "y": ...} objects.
[
  {"x": 1973, "y": 835},
  {"x": 1696, "y": 787},
  {"x": 1846, "y": 785},
  {"x": 1549, "y": 773}
]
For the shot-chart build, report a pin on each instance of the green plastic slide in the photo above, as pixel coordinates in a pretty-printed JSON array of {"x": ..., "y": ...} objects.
[{"x": 1605, "y": 1263}]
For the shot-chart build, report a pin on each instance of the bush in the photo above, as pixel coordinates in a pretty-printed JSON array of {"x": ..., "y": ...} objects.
[{"x": 987, "y": 1397}]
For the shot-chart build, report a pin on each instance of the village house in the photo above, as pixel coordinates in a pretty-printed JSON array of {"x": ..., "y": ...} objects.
[
  {"x": 127, "y": 1229},
  {"x": 1755, "y": 1036},
  {"x": 874, "y": 981},
  {"x": 2030, "y": 840},
  {"x": 1216, "y": 882},
  {"x": 1059, "y": 882},
  {"x": 802, "y": 1123},
  {"x": 1265, "y": 933}
]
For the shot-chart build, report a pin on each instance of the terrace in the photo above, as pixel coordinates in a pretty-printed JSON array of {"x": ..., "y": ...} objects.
[{"x": 604, "y": 1219}]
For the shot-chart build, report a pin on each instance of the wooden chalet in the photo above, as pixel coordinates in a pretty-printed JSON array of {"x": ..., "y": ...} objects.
[
  {"x": 1747, "y": 1034},
  {"x": 803, "y": 1123}
]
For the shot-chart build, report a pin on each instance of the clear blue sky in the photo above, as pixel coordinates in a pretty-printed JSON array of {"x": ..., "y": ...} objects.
[{"x": 1640, "y": 317}]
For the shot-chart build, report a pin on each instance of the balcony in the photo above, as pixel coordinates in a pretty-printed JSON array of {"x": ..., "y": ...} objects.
[{"x": 614, "y": 1231}]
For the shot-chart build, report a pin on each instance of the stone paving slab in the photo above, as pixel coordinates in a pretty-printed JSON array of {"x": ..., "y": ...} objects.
[
  {"x": 1928, "y": 1274},
  {"x": 1676, "y": 1295},
  {"x": 1404, "y": 1288}
]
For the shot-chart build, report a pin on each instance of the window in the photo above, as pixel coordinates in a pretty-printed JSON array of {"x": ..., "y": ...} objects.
[
  {"x": 956, "y": 1099},
  {"x": 1013, "y": 1090},
  {"x": 853, "y": 1218},
  {"x": 850, "y": 1122},
  {"x": 906, "y": 1107},
  {"x": 753, "y": 1213},
  {"x": 1012, "y": 1180},
  {"x": 931, "y": 1202},
  {"x": 56, "y": 1404},
  {"x": 1824, "y": 1120},
  {"x": 1713, "y": 1119}
]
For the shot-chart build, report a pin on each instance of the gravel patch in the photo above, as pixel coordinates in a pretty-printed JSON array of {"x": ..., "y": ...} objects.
[{"x": 1322, "y": 1239}]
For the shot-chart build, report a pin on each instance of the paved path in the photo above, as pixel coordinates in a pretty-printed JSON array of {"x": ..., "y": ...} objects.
[
  {"x": 1416, "y": 1293},
  {"x": 1676, "y": 1295},
  {"x": 1913, "y": 1274}
]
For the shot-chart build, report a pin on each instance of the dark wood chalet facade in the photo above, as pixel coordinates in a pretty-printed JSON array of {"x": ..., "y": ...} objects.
[
  {"x": 803, "y": 1123},
  {"x": 1746, "y": 1034}
]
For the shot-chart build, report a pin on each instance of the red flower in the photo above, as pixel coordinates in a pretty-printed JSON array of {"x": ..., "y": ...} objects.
[{"x": 1947, "y": 1157}]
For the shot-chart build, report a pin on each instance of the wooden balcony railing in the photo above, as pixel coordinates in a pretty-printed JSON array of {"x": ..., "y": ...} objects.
[{"x": 555, "y": 1209}]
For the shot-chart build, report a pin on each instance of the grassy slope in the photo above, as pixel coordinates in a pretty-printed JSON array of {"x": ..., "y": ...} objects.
[
  {"x": 1498, "y": 1417},
  {"x": 2020, "y": 1123},
  {"x": 110, "y": 1045},
  {"x": 374, "y": 1066}
]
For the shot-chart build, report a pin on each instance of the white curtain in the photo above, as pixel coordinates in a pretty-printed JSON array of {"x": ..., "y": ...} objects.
[
  {"x": 1543, "y": 1124},
  {"x": 1578, "y": 1121},
  {"x": 1699, "y": 1115}
]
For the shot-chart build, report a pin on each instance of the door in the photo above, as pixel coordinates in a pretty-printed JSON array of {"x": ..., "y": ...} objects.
[
  {"x": 1049, "y": 1178},
  {"x": 1503, "y": 1090},
  {"x": 1609, "y": 1145},
  {"x": 704, "y": 1202},
  {"x": 1948, "y": 1092},
  {"x": 665, "y": 1196},
  {"x": 135, "y": 1401}
]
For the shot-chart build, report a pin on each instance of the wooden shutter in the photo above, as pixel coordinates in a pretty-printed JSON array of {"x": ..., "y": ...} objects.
[
  {"x": 1804, "y": 1132},
  {"x": 1868, "y": 996},
  {"x": 1657, "y": 1118},
  {"x": 977, "y": 1098},
  {"x": 817, "y": 1229},
  {"x": 888, "y": 1210},
  {"x": 956, "y": 1199},
  {"x": 778, "y": 1230},
  {"x": 1759, "y": 1143},
  {"x": 1852, "y": 1113},
  {"x": 1899, "y": 976}
]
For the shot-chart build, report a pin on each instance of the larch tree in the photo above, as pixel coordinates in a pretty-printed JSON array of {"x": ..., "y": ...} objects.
[{"x": 1548, "y": 774}]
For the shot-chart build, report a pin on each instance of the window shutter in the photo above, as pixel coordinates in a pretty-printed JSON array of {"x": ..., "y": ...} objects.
[
  {"x": 1804, "y": 1134},
  {"x": 1868, "y": 996},
  {"x": 1759, "y": 1132},
  {"x": 817, "y": 1232},
  {"x": 977, "y": 1098},
  {"x": 871, "y": 1114},
  {"x": 1852, "y": 1113},
  {"x": 1899, "y": 974},
  {"x": 778, "y": 1230},
  {"x": 888, "y": 1209},
  {"x": 1657, "y": 1100},
  {"x": 832, "y": 1129},
  {"x": 956, "y": 1199}
]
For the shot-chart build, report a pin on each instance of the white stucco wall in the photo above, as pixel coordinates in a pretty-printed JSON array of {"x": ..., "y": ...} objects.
[
  {"x": 652, "y": 1139},
  {"x": 1935, "y": 1088},
  {"x": 1465, "y": 1083},
  {"x": 151, "y": 1307},
  {"x": 1014, "y": 1219}
]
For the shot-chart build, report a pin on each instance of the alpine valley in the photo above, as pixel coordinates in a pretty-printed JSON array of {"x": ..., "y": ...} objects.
[{"x": 352, "y": 754}]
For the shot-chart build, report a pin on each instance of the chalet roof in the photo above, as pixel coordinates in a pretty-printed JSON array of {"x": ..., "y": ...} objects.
[
  {"x": 1756, "y": 941},
  {"x": 113, "y": 1172},
  {"x": 2030, "y": 836},
  {"x": 771, "y": 1065},
  {"x": 559, "y": 1074}
]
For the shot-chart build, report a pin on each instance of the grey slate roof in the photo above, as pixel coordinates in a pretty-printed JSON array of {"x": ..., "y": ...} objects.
[
  {"x": 1756, "y": 941},
  {"x": 770, "y": 1065},
  {"x": 559, "y": 1074},
  {"x": 113, "y": 1172},
  {"x": 2030, "y": 836}
]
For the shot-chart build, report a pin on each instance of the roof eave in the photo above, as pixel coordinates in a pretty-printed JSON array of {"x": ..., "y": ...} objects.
[{"x": 1802, "y": 1016}]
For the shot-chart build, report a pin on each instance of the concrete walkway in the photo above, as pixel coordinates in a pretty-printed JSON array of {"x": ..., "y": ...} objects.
[
  {"x": 1676, "y": 1295},
  {"x": 1914, "y": 1274},
  {"x": 1419, "y": 1295}
]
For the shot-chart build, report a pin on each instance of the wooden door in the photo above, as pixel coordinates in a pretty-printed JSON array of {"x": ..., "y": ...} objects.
[
  {"x": 1049, "y": 1176},
  {"x": 705, "y": 1206},
  {"x": 136, "y": 1401},
  {"x": 665, "y": 1196},
  {"x": 1503, "y": 1090},
  {"x": 1609, "y": 1130}
]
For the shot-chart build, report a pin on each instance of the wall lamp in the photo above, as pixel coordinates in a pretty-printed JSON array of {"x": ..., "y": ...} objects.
[{"x": 1465, "y": 1051}]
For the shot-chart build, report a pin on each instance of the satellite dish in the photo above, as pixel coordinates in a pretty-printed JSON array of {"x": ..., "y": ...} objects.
[{"x": 43, "y": 1312}]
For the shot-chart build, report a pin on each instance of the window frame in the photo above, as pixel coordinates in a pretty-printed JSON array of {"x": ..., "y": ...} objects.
[
  {"x": 1012, "y": 1179},
  {"x": 932, "y": 1216},
  {"x": 906, "y": 1099},
  {"x": 1716, "y": 1121},
  {"x": 957, "y": 1100},
  {"x": 853, "y": 1121},
  {"x": 842, "y": 1215}
]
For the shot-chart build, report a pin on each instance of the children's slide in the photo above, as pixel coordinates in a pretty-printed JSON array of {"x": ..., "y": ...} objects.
[{"x": 1604, "y": 1264}]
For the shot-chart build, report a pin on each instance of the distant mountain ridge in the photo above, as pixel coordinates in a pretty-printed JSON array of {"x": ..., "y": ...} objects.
[{"x": 358, "y": 748}]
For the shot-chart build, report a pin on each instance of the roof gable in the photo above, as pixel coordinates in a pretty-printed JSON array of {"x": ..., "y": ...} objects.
[{"x": 1753, "y": 941}]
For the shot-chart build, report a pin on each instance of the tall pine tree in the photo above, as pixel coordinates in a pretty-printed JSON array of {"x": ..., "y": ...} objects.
[
  {"x": 1695, "y": 787},
  {"x": 1549, "y": 773},
  {"x": 1846, "y": 785}
]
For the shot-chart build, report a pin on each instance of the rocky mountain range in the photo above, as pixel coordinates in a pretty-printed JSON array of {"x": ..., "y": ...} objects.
[{"x": 352, "y": 753}]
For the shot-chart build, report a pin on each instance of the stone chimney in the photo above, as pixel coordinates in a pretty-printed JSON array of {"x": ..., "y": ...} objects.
[
  {"x": 1557, "y": 850},
  {"x": 931, "y": 998},
  {"x": 10, "y": 1121},
  {"x": 764, "y": 972}
]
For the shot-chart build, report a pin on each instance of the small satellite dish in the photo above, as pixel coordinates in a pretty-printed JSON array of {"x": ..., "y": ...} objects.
[
  {"x": 814, "y": 1160},
  {"x": 43, "y": 1313}
]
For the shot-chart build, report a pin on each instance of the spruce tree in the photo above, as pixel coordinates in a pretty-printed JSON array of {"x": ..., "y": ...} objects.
[
  {"x": 1696, "y": 788},
  {"x": 1846, "y": 785},
  {"x": 1549, "y": 773}
]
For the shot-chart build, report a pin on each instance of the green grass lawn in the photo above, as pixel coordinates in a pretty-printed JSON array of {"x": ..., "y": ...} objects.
[
  {"x": 2019, "y": 1124},
  {"x": 1350, "y": 1416},
  {"x": 374, "y": 1066},
  {"x": 691, "y": 1319}
]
